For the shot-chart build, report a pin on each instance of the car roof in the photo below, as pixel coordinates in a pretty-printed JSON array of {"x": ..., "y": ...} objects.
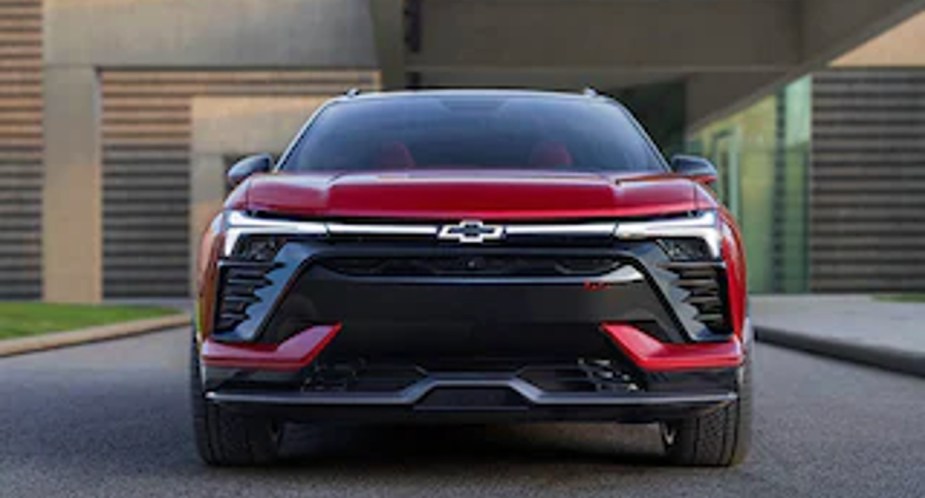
[{"x": 497, "y": 93}]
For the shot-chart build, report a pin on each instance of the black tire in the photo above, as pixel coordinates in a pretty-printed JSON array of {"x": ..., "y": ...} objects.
[
  {"x": 227, "y": 438},
  {"x": 720, "y": 438}
]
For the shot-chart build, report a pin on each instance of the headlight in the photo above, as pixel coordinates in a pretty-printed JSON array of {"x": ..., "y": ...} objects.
[
  {"x": 239, "y": 224},
  {"x": 703, "y": 226},
  {"x": 269, "y": 234}
]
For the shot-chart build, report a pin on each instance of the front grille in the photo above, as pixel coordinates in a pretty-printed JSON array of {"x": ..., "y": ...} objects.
[
  {"x": 240, "y": 282},
  {"x": 580, "y": 375},
  {"x": 508, "y": 266},
  {"x": 509, "y": 240},
  {"x": 705, "y": 287}
]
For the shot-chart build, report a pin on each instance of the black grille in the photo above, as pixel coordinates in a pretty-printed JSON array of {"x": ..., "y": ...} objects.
[
  {"x": 240, "y": 282},
  {"x": 473, "y": 266},
  {"x": 705, "y": 287}
]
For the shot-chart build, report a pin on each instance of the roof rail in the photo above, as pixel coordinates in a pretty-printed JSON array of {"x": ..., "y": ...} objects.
[
  {"x": 590, "y": 92},
  {"x": 353, "y": 92}
]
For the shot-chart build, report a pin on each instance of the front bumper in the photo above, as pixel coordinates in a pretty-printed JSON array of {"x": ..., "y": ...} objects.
[{"x": 525, "y": 333}]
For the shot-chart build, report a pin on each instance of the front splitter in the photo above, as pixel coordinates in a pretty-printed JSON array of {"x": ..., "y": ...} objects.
[{"x": 460, "y": 397}]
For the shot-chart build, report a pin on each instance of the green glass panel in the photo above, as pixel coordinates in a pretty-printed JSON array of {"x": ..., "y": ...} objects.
[{"x": 762, "y": 157}]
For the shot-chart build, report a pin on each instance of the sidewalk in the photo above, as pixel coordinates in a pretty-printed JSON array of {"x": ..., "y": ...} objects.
[{"x": 855, "y": 328}]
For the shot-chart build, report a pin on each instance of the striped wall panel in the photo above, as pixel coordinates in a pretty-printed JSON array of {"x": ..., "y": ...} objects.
[
  {"x": 146, "y": 157},
  {"x": 20, "y": 148},
  {"x": 868, "y": 176}
]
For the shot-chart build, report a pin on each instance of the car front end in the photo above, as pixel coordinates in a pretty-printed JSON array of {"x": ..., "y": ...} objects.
[{"x": 448, "y": 296}]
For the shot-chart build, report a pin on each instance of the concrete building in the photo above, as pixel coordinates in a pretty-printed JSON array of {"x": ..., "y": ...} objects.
[{"x": 114, "y": 114}]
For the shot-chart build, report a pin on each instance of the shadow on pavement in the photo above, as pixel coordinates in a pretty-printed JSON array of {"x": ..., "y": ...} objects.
[{"x": 388, "y": 446}]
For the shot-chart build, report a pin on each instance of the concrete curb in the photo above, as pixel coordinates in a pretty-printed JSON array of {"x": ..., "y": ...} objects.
[
  {"x": 895, "y": 360},
  {"x": 11, "y": 347}
]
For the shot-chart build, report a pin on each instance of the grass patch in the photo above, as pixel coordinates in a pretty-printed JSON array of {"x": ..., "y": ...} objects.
[
  {"x": 21, "y": 319},
  {"x": 902, "y": 298}
]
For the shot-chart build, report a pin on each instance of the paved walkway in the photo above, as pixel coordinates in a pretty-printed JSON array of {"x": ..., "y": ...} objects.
[{"x": 858, "y": 328}]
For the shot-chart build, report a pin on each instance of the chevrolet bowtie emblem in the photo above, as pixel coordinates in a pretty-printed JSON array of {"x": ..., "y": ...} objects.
[{"x": 471, "y": 232}]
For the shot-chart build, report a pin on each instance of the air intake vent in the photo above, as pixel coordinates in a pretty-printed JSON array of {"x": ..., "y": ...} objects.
[
  {"x": 239, "y": 290},
  {"x": 705, "y": 287}
]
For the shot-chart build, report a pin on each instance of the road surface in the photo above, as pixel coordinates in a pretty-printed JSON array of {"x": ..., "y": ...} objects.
[{"x": 112, "y": 419}]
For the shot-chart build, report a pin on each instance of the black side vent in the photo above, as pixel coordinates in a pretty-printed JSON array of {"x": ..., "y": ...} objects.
[
  {"x": 240, "y": 282},
  {"x": 706, "y": 288}
]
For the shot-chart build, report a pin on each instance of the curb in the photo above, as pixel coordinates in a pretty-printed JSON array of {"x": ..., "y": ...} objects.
[
  {"x": 11, "y": 347},
  {"x": 881, "y": 357}
]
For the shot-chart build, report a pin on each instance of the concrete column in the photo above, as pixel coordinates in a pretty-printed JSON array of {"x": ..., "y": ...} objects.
[
  {"x": 389, "y": 34},
  {"x": 72, "y": 199}
]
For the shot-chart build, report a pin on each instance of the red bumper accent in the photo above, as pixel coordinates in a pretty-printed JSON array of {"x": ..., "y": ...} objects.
[
  {"x": 650, "y": 354},
  {"x": 293, "y": 354}
]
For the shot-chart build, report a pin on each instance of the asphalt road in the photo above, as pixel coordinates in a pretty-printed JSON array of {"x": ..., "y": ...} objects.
[{"x": 112, "y": 419}]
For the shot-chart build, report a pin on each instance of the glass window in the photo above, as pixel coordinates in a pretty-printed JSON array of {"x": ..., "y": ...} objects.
[{"x": 474, "y": 132}]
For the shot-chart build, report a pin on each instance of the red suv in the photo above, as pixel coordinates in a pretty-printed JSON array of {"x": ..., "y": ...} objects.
[{"x": 460, "y": 256}]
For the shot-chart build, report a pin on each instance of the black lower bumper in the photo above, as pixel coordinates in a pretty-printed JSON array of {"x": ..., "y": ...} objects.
[
  {"x": 456, "y": 398},
  {"x": 587, "y": 392}
]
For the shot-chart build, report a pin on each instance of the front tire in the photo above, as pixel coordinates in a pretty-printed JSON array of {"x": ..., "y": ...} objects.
[
  {"x": 720, "y": 438},
  {"x": 226, "y": 438}
]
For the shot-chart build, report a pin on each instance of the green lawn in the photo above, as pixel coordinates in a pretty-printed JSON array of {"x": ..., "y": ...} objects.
[
  {"x": 902, "y": 298},
  {"x": 20, "y": 319}
]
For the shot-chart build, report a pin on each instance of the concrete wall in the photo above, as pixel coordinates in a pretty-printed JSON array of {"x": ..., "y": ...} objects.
[
  {"x": 72, "y": 207},
  {"x": 869, "y": 166},
  {"x": 868, "y": 180},
  {"x": 209, "y": 33},
  {"x": 903, "y": 46},
  {"x": 20, "y": 149}
]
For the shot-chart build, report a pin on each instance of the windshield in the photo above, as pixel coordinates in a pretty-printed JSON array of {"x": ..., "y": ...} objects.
[{"x": 474, "y": 132}]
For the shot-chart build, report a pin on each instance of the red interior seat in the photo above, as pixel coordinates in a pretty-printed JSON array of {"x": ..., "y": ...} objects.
[
  {"x": 550, "y": 154},
  {"x": 395, "y": 155}
]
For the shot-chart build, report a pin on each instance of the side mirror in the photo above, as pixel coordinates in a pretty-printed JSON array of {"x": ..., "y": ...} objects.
[
  {"x": 260, "y": 163},
  {"x": 696, "y": 168}
]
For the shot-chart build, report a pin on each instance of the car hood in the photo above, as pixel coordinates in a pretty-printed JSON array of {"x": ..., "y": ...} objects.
[{"x": 466, "y": 194}]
